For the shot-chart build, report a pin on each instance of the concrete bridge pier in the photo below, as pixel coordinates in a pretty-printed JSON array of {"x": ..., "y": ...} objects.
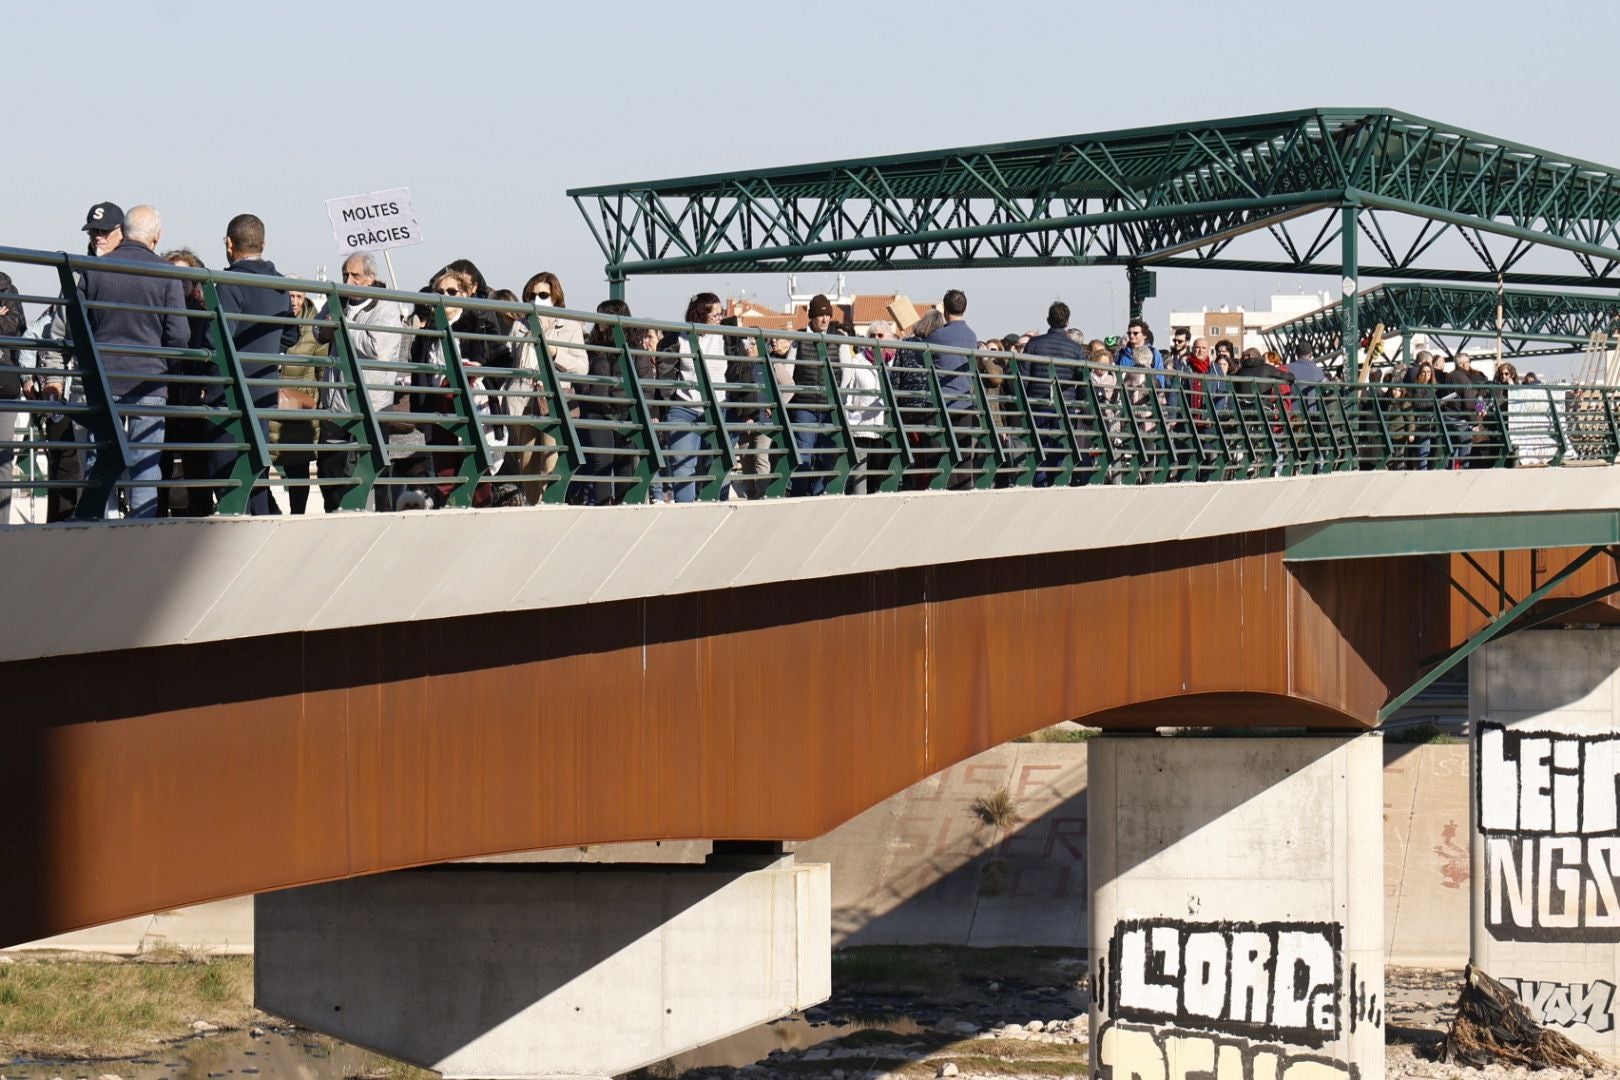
[
  {"x": 1544, "y": 711},
  {"x": 517, "y": 970},
  {"x": 1237, "y": 907}
]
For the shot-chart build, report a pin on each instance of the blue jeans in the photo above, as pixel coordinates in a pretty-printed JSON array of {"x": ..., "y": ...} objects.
[
  {"x": 1462, "y": 437},
  {"x": 683, "y": 447},
  {"x": 1422, "y": 445},
  {"x": 809, "y": 442},
  {"x": 145, "y": 462}
]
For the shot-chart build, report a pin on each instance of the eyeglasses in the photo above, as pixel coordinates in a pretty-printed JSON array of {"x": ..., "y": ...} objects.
[
  {"x": 541, "y": 295},
  {"x": 451, "y": 291},
  {"x": 1134, "y": 332}
]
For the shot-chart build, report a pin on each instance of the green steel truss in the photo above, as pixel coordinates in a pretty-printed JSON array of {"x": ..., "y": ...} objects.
[
  {"x": 1424, "y": 196},
  {"x": 1458, "y": 317}
]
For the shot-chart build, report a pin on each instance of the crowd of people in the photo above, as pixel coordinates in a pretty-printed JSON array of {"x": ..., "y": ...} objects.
[{"x": 862, "y": 403}]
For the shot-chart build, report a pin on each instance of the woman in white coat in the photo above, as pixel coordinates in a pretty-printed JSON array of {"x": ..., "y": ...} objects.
[{"x": 563, "y": 338}]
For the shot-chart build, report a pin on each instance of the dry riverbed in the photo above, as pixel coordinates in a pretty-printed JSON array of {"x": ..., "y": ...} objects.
[{"x": 895, "y": 1012}]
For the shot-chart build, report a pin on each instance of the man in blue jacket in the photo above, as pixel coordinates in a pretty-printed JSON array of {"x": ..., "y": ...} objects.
[
  {"x": 953, "y": 382},
  {"x": 1051, "y": 382},
  {"x": 1138, "y": 336},
  {"x": 953, "y": 367},
  {"x": 258, "y": 344},
  {"x": 138, "y": 381}
]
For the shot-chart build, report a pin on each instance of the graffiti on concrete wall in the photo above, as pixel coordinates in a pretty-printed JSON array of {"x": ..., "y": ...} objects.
[
  {"x": 1276, "y": 981},
  {"x": 1232, "y": 999},
  {"x": 1547, "y": 808},
  {"x": 1564, "y": 1004},
  {"x": 1135, "y": 1052}
]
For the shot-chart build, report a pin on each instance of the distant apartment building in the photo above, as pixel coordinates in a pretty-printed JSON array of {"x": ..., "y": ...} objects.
[{"x": 1243, "y": 328}]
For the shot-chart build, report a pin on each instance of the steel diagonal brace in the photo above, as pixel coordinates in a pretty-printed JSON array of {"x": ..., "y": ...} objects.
[{"x": 1503, "y": 623}]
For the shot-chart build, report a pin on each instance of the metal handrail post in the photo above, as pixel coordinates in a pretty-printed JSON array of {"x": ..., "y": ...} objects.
[
  {"x": 572, "y": 451},
  {"x": 1026, "y": 476},
  {"x": 835, "y": 402},
  {"x": 953, "y": 450},
  {"x": 785, "y": 463},
  {"x": 104, "y": 423},
  {"x": 369, "y": 465},
  {"x": 724, "y": 461},
  {"x": 476, "y": 464},
  {"x": 652, "y": 459},
  {"x": 248, "y": 469},
  {"x": 901, "y": 459}
]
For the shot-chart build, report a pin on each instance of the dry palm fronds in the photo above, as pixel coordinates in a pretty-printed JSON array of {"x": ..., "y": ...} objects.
[{"x": 1493, "y": 1027}]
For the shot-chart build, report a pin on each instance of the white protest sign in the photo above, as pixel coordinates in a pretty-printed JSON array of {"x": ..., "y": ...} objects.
[{"x": 375, "y": 221}]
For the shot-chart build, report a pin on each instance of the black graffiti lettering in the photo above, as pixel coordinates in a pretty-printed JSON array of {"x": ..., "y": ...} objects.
[
  {"x": 370, "y": 212},
  {"x": 1127, "y": 1051},
  {"x": 1548, "y": 806},
  {"x": 373, "y": 237},
  {"x": 1552, "y": 888},
  {"x": 1545, "y": 783},
  {"x": 1565, "y": 1005},
  {"x": 1277, "y": 981},
  {"x": 1363, "y": 1004}
]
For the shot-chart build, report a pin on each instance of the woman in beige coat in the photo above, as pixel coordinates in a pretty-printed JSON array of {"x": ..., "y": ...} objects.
[{"x": 563, "y": 338}]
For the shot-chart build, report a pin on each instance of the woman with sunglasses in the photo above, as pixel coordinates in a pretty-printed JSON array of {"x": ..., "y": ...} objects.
[
  {"x": 1529, "y": 411},
  {"x": 563, "y": 338},
  {"x": 687, "y": 413},
  {"x": 475, "y": 333}
]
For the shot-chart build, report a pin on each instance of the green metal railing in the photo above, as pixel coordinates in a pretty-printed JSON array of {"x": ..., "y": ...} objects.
[{"x": 456, "y": 401}]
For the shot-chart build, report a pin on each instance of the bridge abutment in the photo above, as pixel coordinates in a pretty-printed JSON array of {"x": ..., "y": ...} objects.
[
  {"x": 1544, "y": 711},
  {"x": 1237, "y": 907},
  {"x": 527, "y": 970}
]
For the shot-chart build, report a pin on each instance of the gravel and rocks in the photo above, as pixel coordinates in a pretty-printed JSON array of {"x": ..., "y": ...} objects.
[{"x": 1041, "y": 1033}]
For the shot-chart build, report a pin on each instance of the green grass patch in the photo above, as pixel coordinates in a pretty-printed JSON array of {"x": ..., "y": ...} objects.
[
  {"x": 75, "y": 1008},
  {"x": 1428, "y": 733},
  {"x": 1059, "y": 734}
]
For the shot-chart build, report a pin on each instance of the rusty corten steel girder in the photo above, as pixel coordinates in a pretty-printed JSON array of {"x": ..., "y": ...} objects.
[{"x": 142, "y": 780}]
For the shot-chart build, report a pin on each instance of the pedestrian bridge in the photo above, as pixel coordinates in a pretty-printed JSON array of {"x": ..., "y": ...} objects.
[
  {"x": 228, "y": 704},
  {"x": 207, "y": 708}
]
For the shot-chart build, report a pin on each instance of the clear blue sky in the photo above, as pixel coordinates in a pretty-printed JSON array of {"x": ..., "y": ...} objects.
[{"x": 490, "y": 111}]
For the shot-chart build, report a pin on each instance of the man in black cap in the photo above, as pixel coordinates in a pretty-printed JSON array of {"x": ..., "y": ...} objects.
[{"x": 105, "y": 224}]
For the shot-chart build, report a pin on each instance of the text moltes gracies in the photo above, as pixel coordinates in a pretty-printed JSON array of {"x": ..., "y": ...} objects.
[{"x": 373, "y": 212}]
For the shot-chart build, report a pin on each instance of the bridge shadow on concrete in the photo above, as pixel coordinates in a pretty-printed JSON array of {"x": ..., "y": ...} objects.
[
  {"x": 484, "y": 964},
  {"x": 934, "y": 870}
]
